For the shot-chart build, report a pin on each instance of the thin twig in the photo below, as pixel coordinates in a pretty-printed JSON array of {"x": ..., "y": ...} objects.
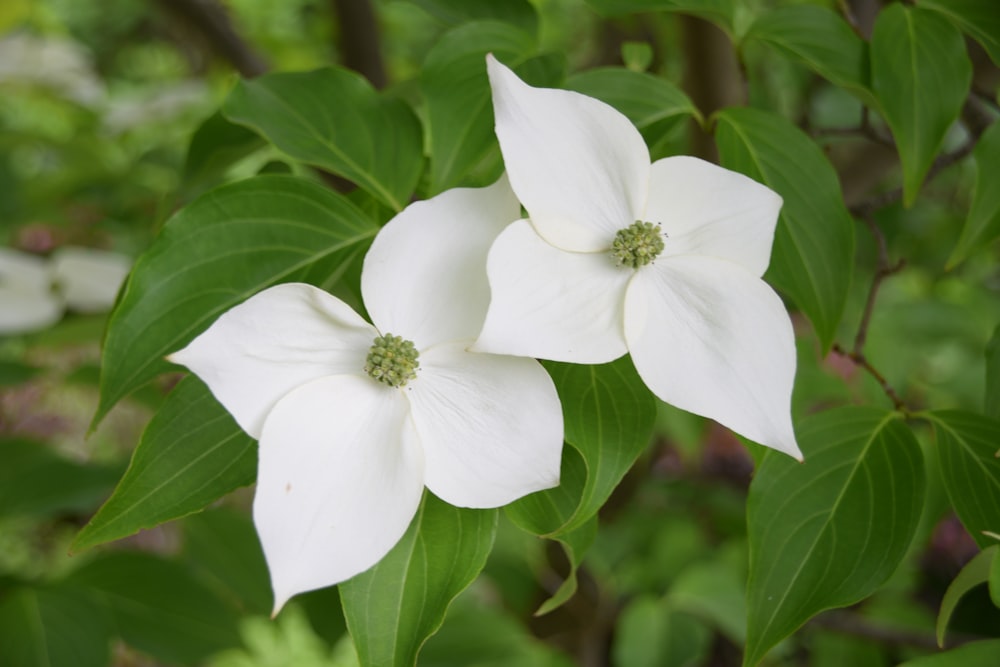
[{"x": 857, "y": 626}]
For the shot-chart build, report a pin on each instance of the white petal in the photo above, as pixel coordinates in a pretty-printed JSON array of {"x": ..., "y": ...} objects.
[
  {"x": 339, "y": 478},
  {"x": 552, "y": 304},
  {"x": 579, "y": 166},
  {"x": 89, "y": 279},
  {"x": 424, "y": 277},
  {"x": 491, "y": 426},
  {"x": 276, "y": 340},
  {"x": 713, "y": 339},
  {"x": 26, "y": 300},
  {"x": 708, "y": 210}
]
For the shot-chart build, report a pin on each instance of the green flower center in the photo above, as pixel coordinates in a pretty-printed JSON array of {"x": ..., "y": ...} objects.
[
  {"x": 637, "y": 245},
  {"x": 392, "y": 360}
]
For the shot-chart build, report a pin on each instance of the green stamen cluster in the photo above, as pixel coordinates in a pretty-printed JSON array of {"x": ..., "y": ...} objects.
[
  {"x": 637, "y": 245},
  {"x": 392, "y": 360}
]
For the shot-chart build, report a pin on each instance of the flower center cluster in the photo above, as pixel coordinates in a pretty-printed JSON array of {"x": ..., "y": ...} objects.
[
  {"x": 392, "y": 360},
  {"x": 637, "y": 245}
]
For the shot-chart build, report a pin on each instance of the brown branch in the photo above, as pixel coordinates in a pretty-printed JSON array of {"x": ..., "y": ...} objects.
[
  {"x": 858, "y": 626},
  {"x": 883, "y": 269},
  {"x": 359, "y": 42},
  {"x": 209, "y": 20}
]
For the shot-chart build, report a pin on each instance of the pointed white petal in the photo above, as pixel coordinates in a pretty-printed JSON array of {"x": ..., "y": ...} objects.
[
  {"x": 89, "y": 279},
  {"x": 552, "y": 304},
  {"x": 491, "y": 426},
  {"x": 579, "y": 166},
  {"x": 339, "y": 478},
  {"x": 708, "y": 210},
  {"x": 258, "y": 351},
  {"x": 715, "y": 340},
  {"x": 26, "y": 300},
  {"x": 424, "y": 277}
]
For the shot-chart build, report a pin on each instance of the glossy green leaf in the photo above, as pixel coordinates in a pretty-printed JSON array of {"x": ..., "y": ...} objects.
[
  {"x": 975, "y": 573},
  {"x": 53, "y": 627},
  {"x": 921, "y": 76},
  {"x": 974, "y": 654},
  {"x": 982, "y": 227},
  {"x": 813, "y": 255},
  {"x": 215, "y": 146},
  {"x": 651, "y": 634},
  {"x": 191, "y": 454},
  {"x": 457, "y": 96},
  {"x": 159, "y": 607},
  {"x": 828, "y": 532},
  {"x": 991, "y": 403},
  {"x": 820, "y": 38},
  {"x": 36, "y": 481},
  {"x": 653, "y": 104},
  {"x": 545, "y": 513},
  {"x": 967, "y": 446},
  {"x": 394, "y": 607},
  {"x": 721, "y": 12},
  {"x": 221, "y": 544},
  {"x": 609, "y": 416},
  {"x": 224, "y": 247},
  {"x": 977, "y": 18},
  {"x": 520, "y": 13},
  {"x": 333, "y": 119}
]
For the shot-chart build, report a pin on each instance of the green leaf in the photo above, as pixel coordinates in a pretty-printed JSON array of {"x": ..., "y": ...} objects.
[
  {"x": 159, "y": 607},
  {"x": 545, "y": 513},
  {"x": 575, "y": 545},
  {"x": 457, "y": 96},
  {"x": 36, "y": 481},
  {"x": 813, "y": 255},
  {"x": 974, "y": 654},
  {"x": 222, "y": 545},
  {"x": 13, "y": 373},
  {"x": 52, "y": 627},
  {"x": 715, "y": 592},
  {"x": 967, "y": 449},
  {"x": 975, "y": 572},
  {"x": 651, "y": 634},
  {"x": 921, "y": 76},
  {"x": 394, "y": 607},
  {"x": 191, "y": 454},
  {"x": 609, "y": 416},
  {"x": 520, "y": 13},
  {"x": 991, "y": 403},
  {"x": 994, "y": 579},
  {"x": 983, "y": 224},
  {"x": 826, "y": 533},
  {"x": 720, "y": 12},
  {"x": 821, "y": 39},
  {"x": 224, "y": 247},
  {"x": 653, "y": 104},
  {"x": 333, "y": 119},
  {"x": 977, "y": 18},
  {"x": 215, "y": 146}
]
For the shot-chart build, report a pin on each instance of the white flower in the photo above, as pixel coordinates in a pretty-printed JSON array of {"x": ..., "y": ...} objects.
[
  {"x": 35, "y": 291},
  {"x": 586, "y": 279},
  {"x": 344, "y": 457}
]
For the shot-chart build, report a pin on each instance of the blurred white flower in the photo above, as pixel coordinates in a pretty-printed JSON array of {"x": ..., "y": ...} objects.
[
  {"x": 60, "y": 65},
  {"x": 354, "y": 419},
  {"x": 662, "y": 261},
  {"x": 35, "y": 291}
]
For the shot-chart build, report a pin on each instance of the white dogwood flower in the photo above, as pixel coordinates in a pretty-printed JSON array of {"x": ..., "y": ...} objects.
[
  {"x": 355, "y": 419},
  {"x": 35, "y": 291},
  {"x": 662, "y": 261}
]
